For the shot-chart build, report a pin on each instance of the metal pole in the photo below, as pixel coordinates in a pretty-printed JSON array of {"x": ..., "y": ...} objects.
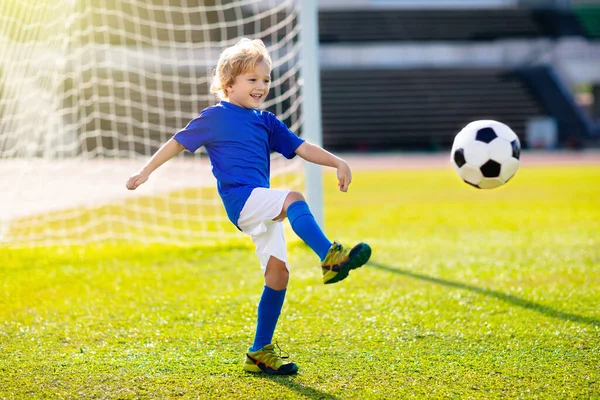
[{"x": 311, "y": 105}]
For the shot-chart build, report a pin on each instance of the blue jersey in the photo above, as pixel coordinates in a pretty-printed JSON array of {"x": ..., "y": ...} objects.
[{"x": 239, "y": 142}]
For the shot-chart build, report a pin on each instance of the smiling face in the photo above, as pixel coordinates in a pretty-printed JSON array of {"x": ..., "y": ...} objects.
[{"x": 250, "y": 89}]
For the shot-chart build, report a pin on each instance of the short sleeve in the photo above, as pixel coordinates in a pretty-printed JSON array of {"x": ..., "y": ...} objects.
[
  {"x": 281, "y": 139},
  {"x": 197, "y": 133}
]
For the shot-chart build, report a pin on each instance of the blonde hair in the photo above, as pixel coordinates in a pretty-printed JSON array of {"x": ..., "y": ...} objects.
[{"x": 237, "y": 60}]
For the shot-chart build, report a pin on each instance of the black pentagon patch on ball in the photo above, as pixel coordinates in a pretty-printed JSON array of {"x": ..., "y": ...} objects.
[
  {"x": 485, "y": 135},
  {"x": 516, "y": 149},
  {"x": 472, "y": 184},
  {"x": 459, "y": 157},
  {"x": 490, "y": 169}
]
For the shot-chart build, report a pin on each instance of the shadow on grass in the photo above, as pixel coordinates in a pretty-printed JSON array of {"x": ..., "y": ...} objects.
[
  {"x": 302, "y": 390},
  {"x": 517, "y": 301}
]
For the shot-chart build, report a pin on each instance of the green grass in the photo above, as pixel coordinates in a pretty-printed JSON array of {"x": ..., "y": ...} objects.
[{"x": 470, "y": 294}]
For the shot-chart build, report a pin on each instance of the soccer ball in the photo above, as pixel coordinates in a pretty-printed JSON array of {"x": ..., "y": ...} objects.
[{"x": 486, "y": 154}]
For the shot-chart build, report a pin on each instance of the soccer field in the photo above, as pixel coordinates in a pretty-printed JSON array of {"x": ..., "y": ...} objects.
[{"x": 468, "y": 294}]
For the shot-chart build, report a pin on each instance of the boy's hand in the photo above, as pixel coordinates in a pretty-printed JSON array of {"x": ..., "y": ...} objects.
[
  {"x": 136, "y": 180},
  {"x": 317, "y": 155},
  {"x": 344, "y": 176}
]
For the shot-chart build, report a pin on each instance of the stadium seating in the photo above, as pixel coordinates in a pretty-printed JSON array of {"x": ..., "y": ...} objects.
[
  {"x": 417, "y": 109},
  {"x": 449, "y": 24},
  {"x": 407, "y": 107}
]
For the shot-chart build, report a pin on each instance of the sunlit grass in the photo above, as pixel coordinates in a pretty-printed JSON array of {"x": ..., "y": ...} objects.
[{"x": 470, "y": 294}]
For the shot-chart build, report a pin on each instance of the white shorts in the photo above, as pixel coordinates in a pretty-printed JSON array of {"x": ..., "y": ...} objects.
[{"x": 256, "y": 220}]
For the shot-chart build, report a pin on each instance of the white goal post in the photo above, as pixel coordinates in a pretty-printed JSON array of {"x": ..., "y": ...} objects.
[{"x": 89, "y": 89}]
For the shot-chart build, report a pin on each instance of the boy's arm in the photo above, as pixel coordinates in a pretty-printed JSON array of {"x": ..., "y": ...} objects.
[
  {"x": 168, "y": 150},
  {"x": 318, "y": 155}
]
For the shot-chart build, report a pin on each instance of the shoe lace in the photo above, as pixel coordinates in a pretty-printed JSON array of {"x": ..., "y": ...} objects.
[
  {"x": 269, "y": 356},
  {"x": 338, "y": 253},
  {"x": 281, "y": 351}
]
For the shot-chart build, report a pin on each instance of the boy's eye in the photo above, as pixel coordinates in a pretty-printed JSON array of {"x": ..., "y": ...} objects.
[{"x": 267, "y": 81}]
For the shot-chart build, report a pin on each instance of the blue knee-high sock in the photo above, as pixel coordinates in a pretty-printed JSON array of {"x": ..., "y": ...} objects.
[
  {"x": 305, "y": 226},
  {"x": 269, "y": 309}
]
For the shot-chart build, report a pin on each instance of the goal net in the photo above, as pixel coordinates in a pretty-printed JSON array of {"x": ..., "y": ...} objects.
[{"x": 90, "y": 89}]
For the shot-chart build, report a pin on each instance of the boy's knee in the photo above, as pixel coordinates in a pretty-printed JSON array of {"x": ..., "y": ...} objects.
[
  {"x": 277, "y": 274},
  {"x": 293, "y": 197}
]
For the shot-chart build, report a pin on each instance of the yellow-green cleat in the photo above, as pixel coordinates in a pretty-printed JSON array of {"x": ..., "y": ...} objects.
[
  {"x": 340, "y": 260},
  {"x": 265, "y": 360}
]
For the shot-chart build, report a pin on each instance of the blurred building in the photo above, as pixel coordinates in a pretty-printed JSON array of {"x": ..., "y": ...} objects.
[{"x": 409, "y": 74}]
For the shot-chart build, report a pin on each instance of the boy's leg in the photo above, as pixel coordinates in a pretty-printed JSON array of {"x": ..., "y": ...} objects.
[
  {"x": 261, "y": 355},
  {"x": 336, "y": 260},
  {"x": 271, "y": 302},
  {"x": 304, "y": 224},
  {"x": 259, "y": 219}
]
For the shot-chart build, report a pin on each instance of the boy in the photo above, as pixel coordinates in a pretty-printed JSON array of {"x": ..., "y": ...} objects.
[{"x": 238, "y": 139}]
